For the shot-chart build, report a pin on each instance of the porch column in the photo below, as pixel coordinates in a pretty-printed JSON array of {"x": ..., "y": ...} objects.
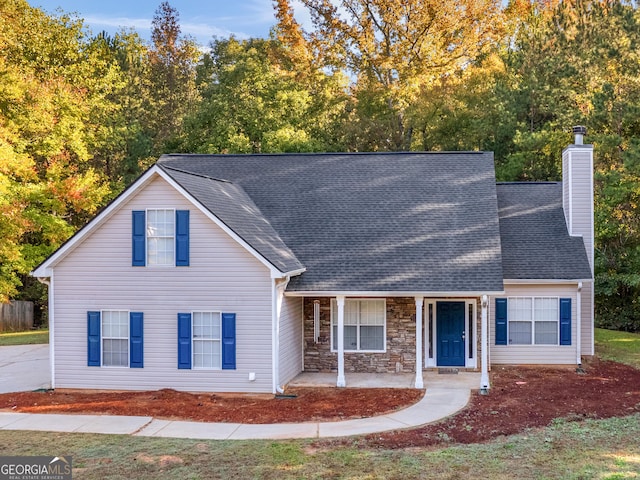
[
  {"x": 484, "y": 345},
  {"x": 419, "y": 350},
  {"x": 341, "y": 382}
]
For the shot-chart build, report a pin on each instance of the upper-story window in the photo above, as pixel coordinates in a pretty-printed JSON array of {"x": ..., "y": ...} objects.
[{"x": 160, "y": 237}]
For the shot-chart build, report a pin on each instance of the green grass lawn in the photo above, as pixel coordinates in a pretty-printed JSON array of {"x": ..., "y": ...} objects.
[
  {"x": 590, "y": 449},
  {"x": 24, "y": 338},
  {"x": 621, "y": 347}
]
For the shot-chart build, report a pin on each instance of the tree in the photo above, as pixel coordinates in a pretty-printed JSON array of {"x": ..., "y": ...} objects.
[
  {"x": 48, "y": 88},
  {"x": 173, "y": 59},
  {"x": 253, "y": 103},
  {"x": 577, "y": 63},
  {"x": 394, "y": 51},
  {"x": 123, "y": 139}
]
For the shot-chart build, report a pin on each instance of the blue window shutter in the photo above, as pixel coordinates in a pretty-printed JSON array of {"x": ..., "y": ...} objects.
[
  {"x": 228, "y": 341},
  {"x": 93, "y": 339},
  {"x": 138, "y": 230},
  {"x": 184, "y": 340},
  {"x": 501, "y": 321},
  {"x": 565, "y": 321},
  {"x": 136, "y": 345},
  {"x": 182, "y": 238}
]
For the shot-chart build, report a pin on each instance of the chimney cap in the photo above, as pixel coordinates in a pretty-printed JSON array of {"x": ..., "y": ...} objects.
[{"x": 580, "y": 130}]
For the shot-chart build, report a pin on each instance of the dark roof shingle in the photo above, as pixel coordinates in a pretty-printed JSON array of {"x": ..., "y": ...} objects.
[
  {"x": 535, "y": 240},
  {"x": 363, "y": 222}
]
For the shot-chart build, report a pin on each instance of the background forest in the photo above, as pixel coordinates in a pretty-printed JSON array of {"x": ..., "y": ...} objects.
[{"x": 82, "y": 114}]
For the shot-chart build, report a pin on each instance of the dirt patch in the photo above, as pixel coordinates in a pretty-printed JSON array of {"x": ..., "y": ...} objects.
[{"x": 520, "y": 398}]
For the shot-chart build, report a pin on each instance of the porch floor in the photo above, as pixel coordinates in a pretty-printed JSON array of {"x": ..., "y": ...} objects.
[{"x": 431, "y": 379}]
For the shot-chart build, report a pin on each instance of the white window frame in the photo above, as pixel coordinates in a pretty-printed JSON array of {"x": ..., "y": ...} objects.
[
  {"x": 149, "y": 237},
  {"x": 103, "y": 337},
  {"x": 334, "y": 321},
  {"x": 212, "y": 340},
  {"x": 533, "y": 320}
]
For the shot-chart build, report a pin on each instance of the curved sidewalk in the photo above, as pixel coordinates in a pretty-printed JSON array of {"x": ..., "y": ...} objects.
[{"x": 437, "y": 403}]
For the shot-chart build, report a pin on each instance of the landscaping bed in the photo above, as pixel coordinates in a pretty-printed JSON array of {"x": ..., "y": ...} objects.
[{"x": 520, "y": 398}]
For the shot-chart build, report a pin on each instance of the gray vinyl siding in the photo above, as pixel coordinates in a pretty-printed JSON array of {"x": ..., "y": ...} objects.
[
  {"x": 587, "y": 313},
  {"x": 290, "y": 360},
  {"x": 577, "y": 167},
  {"x": 534, "y": 354},
  {"x": 223, "y": 276}
]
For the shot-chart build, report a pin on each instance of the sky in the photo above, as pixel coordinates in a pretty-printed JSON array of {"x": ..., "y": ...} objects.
[{"x": 201, "y": 19}]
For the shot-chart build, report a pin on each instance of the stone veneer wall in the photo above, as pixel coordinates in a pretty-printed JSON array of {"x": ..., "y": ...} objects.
[{"x": 400, "y": 355}]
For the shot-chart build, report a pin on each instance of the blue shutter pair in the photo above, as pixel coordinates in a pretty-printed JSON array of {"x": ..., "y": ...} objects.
[
  {"x": 136, "y": 343},
  {"x": 228, "y": 341},
  {"x": 139, "y": 238},
  {"x": 501, "y": 321}
]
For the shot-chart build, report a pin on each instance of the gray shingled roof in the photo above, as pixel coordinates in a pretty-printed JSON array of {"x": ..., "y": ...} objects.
[
  {"x": 361, "y": 222},
  {"x": 236, "y": 210},
  {"x": 535, "y": 240}
]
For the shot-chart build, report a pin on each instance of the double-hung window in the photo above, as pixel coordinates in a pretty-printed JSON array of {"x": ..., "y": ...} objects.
[
  {"x": 533, "y": 321},
  {"x": 115, "y": 339},
  {"x": 160, "y": 237},
  {"x": 207, "y": 340},
  {"x": 364, "y": 325}
]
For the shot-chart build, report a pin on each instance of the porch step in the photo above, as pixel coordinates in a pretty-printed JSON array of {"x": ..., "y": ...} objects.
[{"x": 448, "y": 371}]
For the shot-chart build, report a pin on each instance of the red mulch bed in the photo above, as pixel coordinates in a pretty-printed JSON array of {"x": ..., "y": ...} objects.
[
  {"x": 528, "y": 397},
  {"x": 520, "y": 398},
  {"x": 309, "y": 404}
]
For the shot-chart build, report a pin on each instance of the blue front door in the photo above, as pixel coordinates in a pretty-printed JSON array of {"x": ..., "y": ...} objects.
[{"x": 450, "y": 334}]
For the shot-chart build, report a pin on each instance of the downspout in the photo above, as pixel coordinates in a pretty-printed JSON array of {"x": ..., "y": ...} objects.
[
  {"x": 279, "y": 286},
  {"x": 579, "y": 328},
  {"x": 484, "y": 378},
  {"x": 49, "y": 283}
]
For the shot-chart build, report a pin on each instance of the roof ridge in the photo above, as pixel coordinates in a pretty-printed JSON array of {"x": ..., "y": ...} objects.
[
  {"x": 168, "y": 156},
  {"x": 201, "y": 175},
  {"x": 531, "y": 182}
]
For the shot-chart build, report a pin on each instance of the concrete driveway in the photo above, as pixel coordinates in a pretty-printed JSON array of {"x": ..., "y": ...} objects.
[{"x": 24, "y": 368}]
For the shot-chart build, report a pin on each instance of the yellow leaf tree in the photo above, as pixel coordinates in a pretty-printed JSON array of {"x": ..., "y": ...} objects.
[{"x": 393, "y": 51}]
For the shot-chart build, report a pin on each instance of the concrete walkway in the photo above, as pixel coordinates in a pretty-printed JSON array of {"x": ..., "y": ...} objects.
[
  {"x": 26, "y": 367},
  {"x": 437, "y": 403}
]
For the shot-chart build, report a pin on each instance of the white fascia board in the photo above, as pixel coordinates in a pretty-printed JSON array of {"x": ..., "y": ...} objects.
[
  {"x": 312, "y": 293},
  {"x": 545, "y": 281},
  {"x": 45, "y": 269},
  {"x": 292, "y": 273}
]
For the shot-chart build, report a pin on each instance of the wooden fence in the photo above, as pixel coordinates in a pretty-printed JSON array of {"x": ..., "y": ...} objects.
[{"x": 16, "y": 316}]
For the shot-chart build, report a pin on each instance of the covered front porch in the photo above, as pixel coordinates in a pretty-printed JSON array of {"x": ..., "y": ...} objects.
[{"x": 391, "y": 341}]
